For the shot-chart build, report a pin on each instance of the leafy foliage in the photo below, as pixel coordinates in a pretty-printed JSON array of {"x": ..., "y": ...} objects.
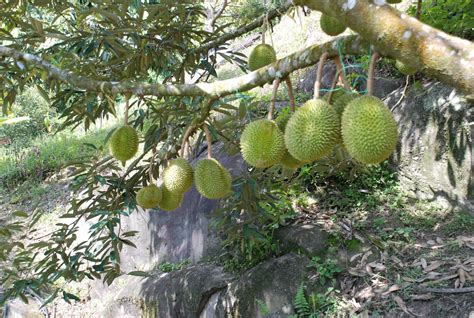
[{"x": 452, "y": 16}]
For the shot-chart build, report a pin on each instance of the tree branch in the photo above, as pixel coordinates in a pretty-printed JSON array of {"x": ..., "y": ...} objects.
[
  {"x": 272, "y": 14},
  {"x": 281, "y": 69},
  {"x": 448, "y": 58}
]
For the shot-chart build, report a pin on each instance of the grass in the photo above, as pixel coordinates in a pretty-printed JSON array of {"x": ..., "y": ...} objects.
[{"x": 48, "y": 154}]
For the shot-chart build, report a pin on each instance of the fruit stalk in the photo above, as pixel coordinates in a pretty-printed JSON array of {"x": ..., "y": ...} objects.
[
  {"x": 370, "y": 80},
  {"x": 319, "y": 74},
  {"x": 209, "y": 141},
  {"x": 291, "y": 94},
  {"x": 271, "y": 110},
  {"x": 340, "y": 72}
]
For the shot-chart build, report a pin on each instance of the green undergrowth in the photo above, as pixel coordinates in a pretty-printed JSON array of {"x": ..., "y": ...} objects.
[{"x": 47, "y": 154}]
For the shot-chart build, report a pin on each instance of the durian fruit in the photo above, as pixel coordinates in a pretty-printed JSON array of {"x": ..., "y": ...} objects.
[
  {"x": 262, "y": 143},
  {"x": 212, "y": 180},
  {"x": 341, "y": 102},
  {"x": 149, "y": 197},
  {"x": 331, "y": 26},
  {"x": 369, "y": 131},
  {"x": 261, "y": 55},
  {"x": 178, "y": 176},
  {"x": 287, "y": 160},
  {"x": 170, "y": 200},
  {"x": 339, "y": 91},
  {"x": 405, "y": 69},
  {"x": 123, "y": 143},
  {"x": 312, "y": 131},
  {"x": 394, "y": 1}
]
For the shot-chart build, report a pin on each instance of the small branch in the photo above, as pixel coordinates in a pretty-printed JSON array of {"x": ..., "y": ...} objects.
[
  {"x": 333, "y": 84},
  {"x": 209, "y": 141},
  {"x": 447, "y": 290},
  {"x": 291, "y": 94},
  {"x": 319, "y": 75},
  {"x": 370, "y": 79},
  {"x": 403, "y": 94},
  {"x": 150, "y": 169},
  {"x": 340, "y": 72},
  {"x": 272, "y": 14},
  {"x": 217, "y": 15},
  {"x": 271, "y": 110},
  {"x": 186, "y": 136},
  {"x": 418, "y": 9},
  {"x": 127, "y": 107}
]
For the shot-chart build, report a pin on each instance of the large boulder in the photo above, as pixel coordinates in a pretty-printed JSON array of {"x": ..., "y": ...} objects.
[
  {"x": 270, "y": 287},
  {"x": 310, "y": 239},
  {"x": 182, "y": 293},
  {"x": 434, "y": 155}
]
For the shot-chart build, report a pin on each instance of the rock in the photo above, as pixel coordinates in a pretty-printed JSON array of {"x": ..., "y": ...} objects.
[
  {"x": 178, "y": 235},
  {"x": 308, "y": 238},
  {"x": 182, "y": 293},
  {"x": 306, "y": 82},
  {"x": 18, "y": 309},
  {"x": 434, "y": 155},
  {"x": 271, "y": 284}
]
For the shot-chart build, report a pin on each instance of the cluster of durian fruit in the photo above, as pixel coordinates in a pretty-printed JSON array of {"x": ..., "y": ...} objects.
[
  {"x": 212, "y": 180},
  {"x": 362, "y": 125}
]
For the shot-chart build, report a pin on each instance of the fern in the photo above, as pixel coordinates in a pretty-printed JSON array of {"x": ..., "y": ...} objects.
[{"x": 301, "y": 304}]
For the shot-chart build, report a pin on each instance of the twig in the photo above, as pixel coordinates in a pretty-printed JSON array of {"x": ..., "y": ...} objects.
[
  {"x": 217, "y": 15},
  {"x": 447, "y": 290},
  {"x": 370, "y": 79},
  {"x": 127, "y": 107},
  {"x": 186, "y": 136},
  {"x": 333, "y": 85},
  {"x": 340, "y": 71},
  {"x": 319, "y": 74},
  {"x": 209, "y": 141},
  {"x": 403, "y": 94},
  {"x": 291, "y": 94},
  {"x": 418, "y": 9},
  {"x": 271, "y": 110},
  {"x": 152, "y": 160}
]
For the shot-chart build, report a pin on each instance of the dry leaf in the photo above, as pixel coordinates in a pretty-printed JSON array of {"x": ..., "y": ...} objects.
[
  {"x": 423, "y": 263},
  {"x": 434, "y": 265},
  {"x": 431, "y": 242},
  {"x": 422, "y": 297},
  {"x": 462, "y": 277},
  {"x": 354, "y": 257},
  {"x": 368, "y": 269},
  {"x": 457, "y": 283},
  {"x": 402, "y": 305},
  {"x": 439, "y": 240},
  {"x": 391, "y": 290},
  {"x": 378, "y": 266}
]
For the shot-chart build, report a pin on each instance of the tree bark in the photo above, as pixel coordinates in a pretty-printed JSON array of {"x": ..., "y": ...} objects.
[{"x": 395, "y": 34}]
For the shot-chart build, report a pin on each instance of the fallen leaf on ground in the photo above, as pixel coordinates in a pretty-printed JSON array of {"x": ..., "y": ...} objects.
[
  {"x": 391, "y": 290},
  {"x": 434, "y": 265},
  {"x": 402, "y": 305},
  {"x": 423, "y": 263},
  {"x": 422, "y": 297}
]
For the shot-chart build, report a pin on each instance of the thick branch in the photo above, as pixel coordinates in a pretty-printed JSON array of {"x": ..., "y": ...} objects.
[
  {"x": 281, "y": 69},
  {"x": 393, "y": 33}
]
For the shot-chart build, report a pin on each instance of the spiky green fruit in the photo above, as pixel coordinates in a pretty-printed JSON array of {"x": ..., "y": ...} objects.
[
  {"x": 341, "y": 102},
  {"x": 178, "y": 176},
  {"x": 394, "y": 1},
  {"x": 149, "y": 197},
  {"x": 405, "y": 69},
  {"x": 312, "y": 131},
  {"x": 339, "y": 91},
  {"x": 170, "y": 200},
  {"x": 369, "y": 130},
  {"x": 123, "y": 144},
  {"x": 262, "y": 144},
  {"x": 261, "y": 55},
  {"x": 287, "y": 160},
  {"x": 331, "y": 26},
  {"x": 212, "y": 180}
]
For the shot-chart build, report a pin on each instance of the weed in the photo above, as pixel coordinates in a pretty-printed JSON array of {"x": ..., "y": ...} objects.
[
  {"x": 167, "y": 267},
  {"x": 327, "y": 270}
]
